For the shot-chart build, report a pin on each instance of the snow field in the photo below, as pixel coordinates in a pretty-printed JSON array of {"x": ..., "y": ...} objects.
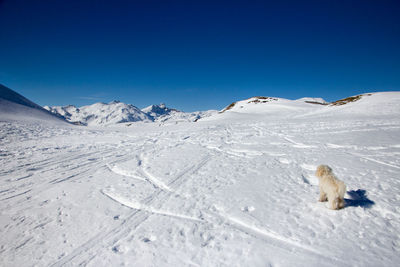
[{"x": 229, "y": 192}]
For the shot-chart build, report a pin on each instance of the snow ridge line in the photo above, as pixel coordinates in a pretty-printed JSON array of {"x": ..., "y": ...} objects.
[
  {"x": 268, "y": 236},
  {"x": 263, "y": 232},
  {"x": 374, "y": 160},
  {"x": 298, "y": 145},
  {"x": 153, "y": 180},
  {"x": 137, "y": 206},
  {"x": 118, "y": 171}
]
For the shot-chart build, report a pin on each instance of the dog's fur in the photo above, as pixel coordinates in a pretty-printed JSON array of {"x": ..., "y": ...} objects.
[{"x": 331, "y": 189}]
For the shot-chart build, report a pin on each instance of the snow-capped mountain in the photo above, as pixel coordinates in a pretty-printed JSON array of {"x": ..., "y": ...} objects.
[
  {"x": 15, "y": 107},
  {"x": 156, "y": 111},
  {"x": 179, "y": 116},
  {"x": 101, "y": 113},
  {"x": 117, "y": 112},
  {"x": 162, "y": 114}
]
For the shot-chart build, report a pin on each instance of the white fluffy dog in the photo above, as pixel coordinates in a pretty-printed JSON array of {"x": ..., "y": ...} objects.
[{"x": 331, "y": 189}]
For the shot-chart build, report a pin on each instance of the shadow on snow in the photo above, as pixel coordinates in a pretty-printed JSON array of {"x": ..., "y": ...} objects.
[{"x": 358, "y": 198}]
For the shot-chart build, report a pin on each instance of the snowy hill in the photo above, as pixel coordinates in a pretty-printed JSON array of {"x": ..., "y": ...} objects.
[
  {"x": 15, "y": 107},
  {"x": 370, "y": 104},
  {"x": 274, "y": 105}
]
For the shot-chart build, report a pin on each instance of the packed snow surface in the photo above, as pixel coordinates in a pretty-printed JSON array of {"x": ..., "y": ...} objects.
[{"x": 235, "y": 189}]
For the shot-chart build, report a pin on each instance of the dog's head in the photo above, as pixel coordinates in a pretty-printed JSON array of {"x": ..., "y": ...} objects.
[{"x": 322, "y": 170}]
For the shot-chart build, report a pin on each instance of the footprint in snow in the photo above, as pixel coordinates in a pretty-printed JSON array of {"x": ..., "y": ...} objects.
[
  {"x": 248, "y": 209},
  {"x": 149, "y": 239},
  {"x": 117, "y": 249}
]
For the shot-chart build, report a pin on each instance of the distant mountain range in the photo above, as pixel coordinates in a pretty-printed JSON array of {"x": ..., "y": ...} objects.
[
  {"x": 100, "y": 113},
  {"x": 118, "y": 112},
  {"x": 14, "y": 106}
]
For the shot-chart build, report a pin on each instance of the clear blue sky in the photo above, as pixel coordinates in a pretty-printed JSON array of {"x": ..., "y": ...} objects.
[{"x": 197, "y": 55}]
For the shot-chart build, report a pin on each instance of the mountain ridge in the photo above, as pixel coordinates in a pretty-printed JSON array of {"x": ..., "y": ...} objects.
[
  {"x": 117, "y": 112},
  {"x": 14, "y": 107},
  {"x": 100, "y": 113}
]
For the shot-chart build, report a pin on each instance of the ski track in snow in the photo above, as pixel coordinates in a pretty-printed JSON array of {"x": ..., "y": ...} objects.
[
  {"x": 269, "y": 237},
  {"x": 157, "y": 183},
  {"x": 275, "y": 239},
  {"x": 375, "y": 160},
  {"x": 78, "y": 168},
  {"x": 134, "y": 219},
  {"x": 149, "y": 194}
]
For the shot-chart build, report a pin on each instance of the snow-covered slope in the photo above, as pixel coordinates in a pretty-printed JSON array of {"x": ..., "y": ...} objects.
[
  {"x": 274, "y": 105},
  {"x": 101, "y": 113},
  {"x": 15, "y": 107},
  {"x": 234, "y": 191},
  {"x": 370, "y": 104}
]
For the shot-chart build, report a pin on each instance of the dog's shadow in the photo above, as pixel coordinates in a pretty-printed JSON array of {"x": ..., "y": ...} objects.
[{"x": 358, "y": 198}]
